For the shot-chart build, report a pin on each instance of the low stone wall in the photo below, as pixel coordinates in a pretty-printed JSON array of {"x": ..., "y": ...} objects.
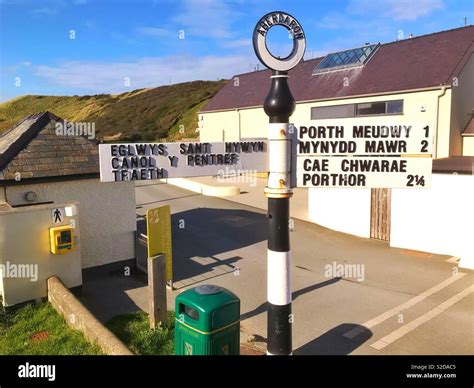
[{"x": 79, "y": 318}]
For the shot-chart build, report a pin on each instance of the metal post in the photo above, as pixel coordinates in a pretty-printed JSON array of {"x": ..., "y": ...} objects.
[
  {"x": 279, "y": 105},
  {"x": 157, "y": 305}
]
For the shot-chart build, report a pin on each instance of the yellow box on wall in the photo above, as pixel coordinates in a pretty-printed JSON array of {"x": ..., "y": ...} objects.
[{"x": 61, "y": 239}]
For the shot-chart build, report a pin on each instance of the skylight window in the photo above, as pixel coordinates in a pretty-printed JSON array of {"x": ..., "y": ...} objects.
[{"x": 345, "y": 59}]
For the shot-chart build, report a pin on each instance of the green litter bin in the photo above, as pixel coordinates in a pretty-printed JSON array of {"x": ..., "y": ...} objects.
[{"x": 207, "y": 322}]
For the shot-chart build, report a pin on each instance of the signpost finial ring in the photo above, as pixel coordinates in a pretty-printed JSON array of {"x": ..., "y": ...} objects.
[{"x": 260, "y": 45}]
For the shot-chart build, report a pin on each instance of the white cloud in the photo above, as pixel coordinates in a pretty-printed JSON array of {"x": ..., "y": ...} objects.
[
  {"x": 396, "y": 9},
  {"x": 154, "y": 32},
  {"x": 45, "y": 11},
  {"x": 101, "y": 77},
  {"x": 210, "y": 18},
  {"x": 237, "y": 43}
]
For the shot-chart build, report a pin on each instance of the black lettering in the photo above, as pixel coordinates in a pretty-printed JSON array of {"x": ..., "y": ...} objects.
[
  {"x": 358, "y": 131},
  {"x": 141, "y": 149}
]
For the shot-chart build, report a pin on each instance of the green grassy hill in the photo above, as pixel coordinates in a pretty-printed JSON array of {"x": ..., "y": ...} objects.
[{"x": 139, "y": 115}]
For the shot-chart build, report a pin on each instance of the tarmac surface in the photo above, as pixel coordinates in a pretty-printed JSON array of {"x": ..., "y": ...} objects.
[{"x": 350, "y": 295}]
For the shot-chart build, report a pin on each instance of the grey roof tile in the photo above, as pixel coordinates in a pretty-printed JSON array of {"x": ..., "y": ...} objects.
[{"x": 33, "y": 149}]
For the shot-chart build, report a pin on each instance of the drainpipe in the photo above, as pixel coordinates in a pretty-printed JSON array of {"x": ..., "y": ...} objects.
[
  {"x": 240, "y": 133},
  {"x": 443, "y": 92}
]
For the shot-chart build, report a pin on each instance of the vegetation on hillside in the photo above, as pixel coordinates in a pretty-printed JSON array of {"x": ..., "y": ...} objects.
[{"x": 139, "y": 115}]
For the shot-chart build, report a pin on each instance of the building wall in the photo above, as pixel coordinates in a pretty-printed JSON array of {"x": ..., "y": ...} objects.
[
  {"x": 254, "y": 122},
  {"x": 221, "y": 126},
  {"x": 462, "y": 106},
  {"x": 433, "y": 220},
  {"x": 468, "y": 146},
  {"x": 24, "y": 239},
  {"x": 344, "y": 210},
  {"x": 437, "y": 220},
  {"x": 108, "y": 215}
]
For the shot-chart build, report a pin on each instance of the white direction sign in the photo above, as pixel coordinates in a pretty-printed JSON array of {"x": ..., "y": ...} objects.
[
  {"x": 337, "y": 139},
  {"x": 373, "y": 172},
  {"x": 335, "y": 154},
  {"x": 144, "y": 161}
]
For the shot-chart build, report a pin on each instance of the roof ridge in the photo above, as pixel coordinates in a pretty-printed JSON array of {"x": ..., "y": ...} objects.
[
  {"x": 40, "y": 120},
  {"x": 31, "y": 116},
  {"x": 426, "y": 35}
]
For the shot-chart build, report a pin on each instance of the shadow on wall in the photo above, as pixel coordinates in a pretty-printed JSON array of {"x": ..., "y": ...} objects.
[
  {"x": 334, "y": 343},
  {"x": 199, "y": 235}
]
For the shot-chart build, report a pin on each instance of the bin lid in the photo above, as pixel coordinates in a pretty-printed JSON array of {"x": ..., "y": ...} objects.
[
  {"x": 208, "y": 289},
  {"x": 207, "y": 298}
]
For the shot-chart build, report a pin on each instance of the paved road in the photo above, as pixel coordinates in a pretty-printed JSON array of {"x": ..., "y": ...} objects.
[{"x": 406, "y": 302}]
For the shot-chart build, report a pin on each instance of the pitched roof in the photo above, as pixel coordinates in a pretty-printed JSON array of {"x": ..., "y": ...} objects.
[
  {"x": 415, "y": 63},
  {"x": 469, "y": 130},
  {"x": 33, "y": 149}
]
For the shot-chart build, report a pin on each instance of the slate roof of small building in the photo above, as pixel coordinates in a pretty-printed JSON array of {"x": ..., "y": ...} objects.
[
  {"x": 33, "y": 149},
  {"x": 416, "y": 63}
]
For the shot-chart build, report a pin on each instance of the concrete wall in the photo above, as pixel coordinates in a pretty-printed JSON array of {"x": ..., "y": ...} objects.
[
  {"x": 79, "y": 318},
  {"x": 24, "y": 240},
  {"x": 437, "y": 220},
  {"x": 344, "y": 210},
  {"x": 254, "y": 122},
  {"x": 107, "y": 216},
  {"x": 468, "y": 146},
  {"x": 462, "y": 105}
]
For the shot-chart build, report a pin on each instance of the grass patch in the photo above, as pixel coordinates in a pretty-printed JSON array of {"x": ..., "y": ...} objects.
[
  {"x": 134, "y": 331},
  {"x": 37, "y": 329}
]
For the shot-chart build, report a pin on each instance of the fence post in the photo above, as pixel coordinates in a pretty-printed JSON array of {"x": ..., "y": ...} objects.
[{"x": 157, "y": 307}]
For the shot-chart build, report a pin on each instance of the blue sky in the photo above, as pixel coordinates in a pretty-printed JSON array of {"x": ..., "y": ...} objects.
[{"x": 123, "y": 45}]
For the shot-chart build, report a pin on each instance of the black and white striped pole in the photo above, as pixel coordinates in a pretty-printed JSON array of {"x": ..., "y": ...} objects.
[{"x": 279, "y": 106}]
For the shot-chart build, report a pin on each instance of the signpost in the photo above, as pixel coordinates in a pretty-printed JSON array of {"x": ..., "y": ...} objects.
[
  {"x": 144, "y": 161},
  {"x": 279, "y": 106}
]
